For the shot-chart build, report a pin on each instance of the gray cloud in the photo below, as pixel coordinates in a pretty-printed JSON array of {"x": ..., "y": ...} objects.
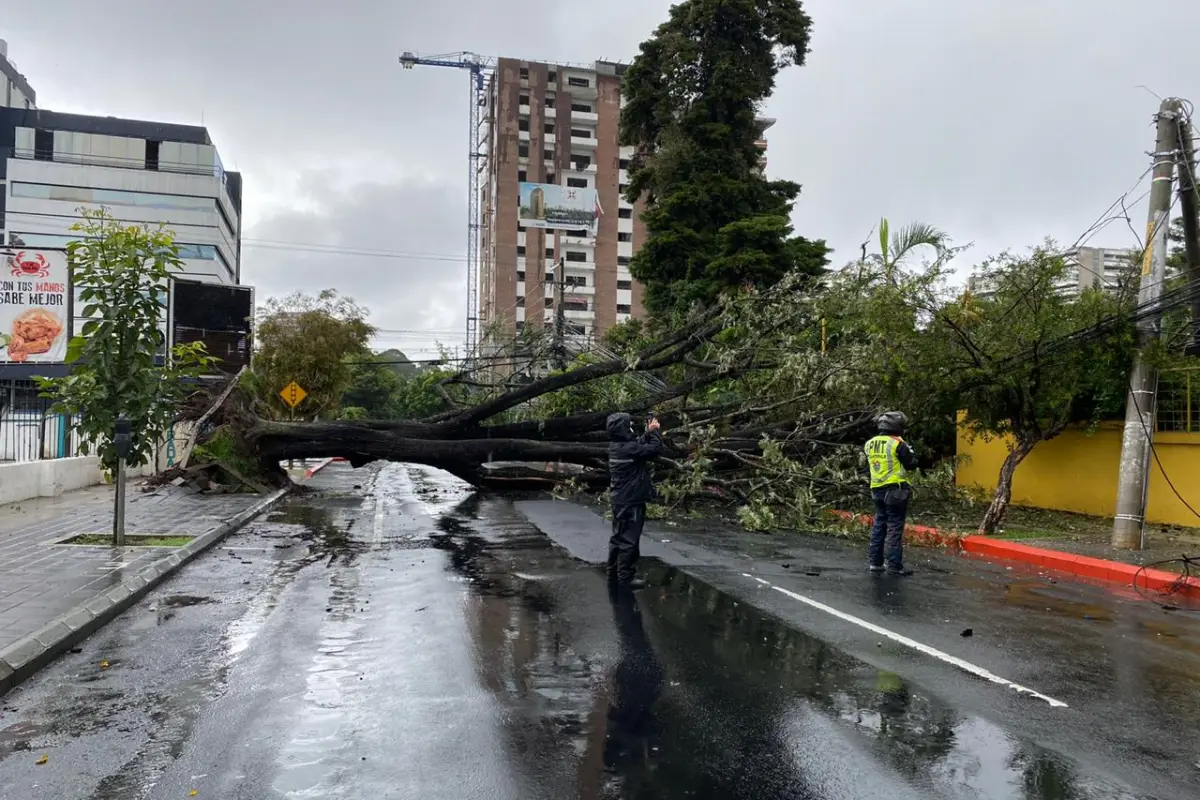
[
  {"x": 366, "y": 241},
  {"x": 1001, "y": 121}
]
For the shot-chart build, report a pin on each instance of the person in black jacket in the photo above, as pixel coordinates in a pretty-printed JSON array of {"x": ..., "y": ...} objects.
[{"x": 629, "y": 458}]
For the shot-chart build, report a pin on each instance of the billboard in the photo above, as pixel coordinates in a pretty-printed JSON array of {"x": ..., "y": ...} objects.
[
  {"x": 219, "y": 316},
  {"x": 34, "y": 310},
  {"x": 548, "y": 205}
]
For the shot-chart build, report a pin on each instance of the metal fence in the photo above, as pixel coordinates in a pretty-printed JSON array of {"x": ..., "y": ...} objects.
[
  {"x": 29, "y": 430},
  {"x": 1178, "y": 401}
]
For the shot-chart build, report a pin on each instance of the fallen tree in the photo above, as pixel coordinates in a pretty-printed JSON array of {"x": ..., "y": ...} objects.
[{"x": 506, "y": 426}]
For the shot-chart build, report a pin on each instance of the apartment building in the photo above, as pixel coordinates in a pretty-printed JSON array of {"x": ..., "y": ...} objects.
[
  {"x": 15, "y": 91},
  {"x": 551, "y": 126},
  {"x": 1087, "y": 268}
]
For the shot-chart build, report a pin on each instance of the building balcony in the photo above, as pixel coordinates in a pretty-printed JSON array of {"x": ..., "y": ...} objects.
[
  {"x": 587, "y": 143},
  {"x": 569, "y": 290},
  {"x": 585, "y": 316},
  {"x": 588, "y": 117},
  {"x": 523, "y": 109},
  {"x": 588, "y": 92}
]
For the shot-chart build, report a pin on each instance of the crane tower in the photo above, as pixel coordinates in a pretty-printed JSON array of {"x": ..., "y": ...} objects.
[{"x": 479, "y": 68}]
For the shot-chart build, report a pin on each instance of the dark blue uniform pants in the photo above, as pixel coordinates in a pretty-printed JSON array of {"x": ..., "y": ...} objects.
[
  {"x": 624, "y": 547},
  {"x": 887, "y": 534}
]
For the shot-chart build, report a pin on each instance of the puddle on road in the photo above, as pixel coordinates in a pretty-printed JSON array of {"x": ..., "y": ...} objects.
[{"x": 693, "y": 694}]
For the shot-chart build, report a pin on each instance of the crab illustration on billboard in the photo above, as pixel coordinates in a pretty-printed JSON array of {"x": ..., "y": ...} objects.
[{"x": 33, "y": 306}]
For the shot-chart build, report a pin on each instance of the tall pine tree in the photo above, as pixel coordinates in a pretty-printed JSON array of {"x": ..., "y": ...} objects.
[{"x": 714, "y": 221}]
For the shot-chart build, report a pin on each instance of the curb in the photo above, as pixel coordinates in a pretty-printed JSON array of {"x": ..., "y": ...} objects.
[
  {"x": 314, "y": 470},
  {"x": 1098, "y": 569},
  {"x": 1083, "y": 566},
  {"x": 23, "y": 658}
]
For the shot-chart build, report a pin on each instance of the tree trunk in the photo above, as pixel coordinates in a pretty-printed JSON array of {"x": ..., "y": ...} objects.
[{"x": 995, "y": 513}]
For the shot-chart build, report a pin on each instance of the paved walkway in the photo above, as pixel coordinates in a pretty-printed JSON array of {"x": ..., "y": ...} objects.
[{"x": 41, "y": 579}]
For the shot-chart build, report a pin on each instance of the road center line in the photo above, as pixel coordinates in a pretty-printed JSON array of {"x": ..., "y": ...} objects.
[
  {"x": 377, "y": 527},
  {"x": 966, "y": 666}
]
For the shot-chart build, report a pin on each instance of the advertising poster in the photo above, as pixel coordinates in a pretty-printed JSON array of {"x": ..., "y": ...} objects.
[
  {"x": 34, "y": 287},
  {"x": 548, "y": 205}
]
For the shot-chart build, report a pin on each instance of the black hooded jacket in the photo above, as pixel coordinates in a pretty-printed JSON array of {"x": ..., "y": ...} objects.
[{"x": 629, "y": 460}]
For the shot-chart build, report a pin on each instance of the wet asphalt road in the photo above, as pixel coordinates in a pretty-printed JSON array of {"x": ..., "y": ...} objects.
[{"x": 394, "y": 636}]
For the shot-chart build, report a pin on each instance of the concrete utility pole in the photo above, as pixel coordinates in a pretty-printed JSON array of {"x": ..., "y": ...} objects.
[
  {"x": 1189, "y": 204},
  {"x": 1136, "y": 440},
  {"x": 560, "y": 315}
]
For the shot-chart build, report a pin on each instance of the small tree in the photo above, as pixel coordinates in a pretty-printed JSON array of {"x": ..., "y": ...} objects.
[
  {"x": 122, "y": 274},
  {"x": 309, "y": 340},
  {"x": 1028, "y": 360}
]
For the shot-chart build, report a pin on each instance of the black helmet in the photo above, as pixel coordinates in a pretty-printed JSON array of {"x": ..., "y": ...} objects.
[{"x": 892, "y": 422}]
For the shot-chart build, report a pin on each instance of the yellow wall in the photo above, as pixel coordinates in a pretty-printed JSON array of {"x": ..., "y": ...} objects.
[{"x": 1078, "y": 472}]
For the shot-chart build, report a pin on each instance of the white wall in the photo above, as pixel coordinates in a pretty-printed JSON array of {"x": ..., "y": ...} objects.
[{"x": 52, "y": 477}]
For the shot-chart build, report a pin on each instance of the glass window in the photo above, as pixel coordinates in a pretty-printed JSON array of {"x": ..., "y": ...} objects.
[
  {"x": 205, "y": 252},
  {"x": 116, "y": 197}
]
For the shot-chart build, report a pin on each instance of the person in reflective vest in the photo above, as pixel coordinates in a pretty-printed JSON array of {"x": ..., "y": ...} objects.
[{"x": 890, "y": 460}]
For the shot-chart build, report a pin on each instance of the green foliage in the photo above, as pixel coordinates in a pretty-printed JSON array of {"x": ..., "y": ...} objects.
[
  {"x": 1016, "y": 360},
  {"x": 122, "y": 274},
  {"x": 612, "y": 392},
  {"x": 714, "y": 221},
  {"x": 372, "y": 390},
  {"x": 225, "y": 446},
  {"x": 309, "y": 340},
  {"x": 418, "y": 396}
]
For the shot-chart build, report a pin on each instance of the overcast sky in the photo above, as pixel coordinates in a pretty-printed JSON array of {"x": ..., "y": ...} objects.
[{"x": 1000, "y": 121}]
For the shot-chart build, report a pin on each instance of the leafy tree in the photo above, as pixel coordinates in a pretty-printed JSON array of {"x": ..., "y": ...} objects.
[
  {"x": 374, "y": 387},
  {"x": 309, "y": 340},
  {"x": 714, "y": 221},
  {"x": 1026, "y": 361},
  {"x": 122, "y": 274},
  {"x": 1020, "y": 358},
  {"x": 418, "y": 396}
]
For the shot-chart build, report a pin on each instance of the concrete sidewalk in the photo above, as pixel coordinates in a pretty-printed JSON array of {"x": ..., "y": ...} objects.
[{"x": 53, "y": 595}]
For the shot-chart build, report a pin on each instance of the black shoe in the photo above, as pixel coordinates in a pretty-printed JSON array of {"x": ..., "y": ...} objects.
[
  {"x": 876, "y": 568},
  {"x": 633, "y": 584},
  {"x": 901, "y": 572}
]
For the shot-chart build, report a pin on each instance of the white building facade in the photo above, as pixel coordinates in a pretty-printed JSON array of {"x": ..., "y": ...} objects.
[{"x": 53, "y": 164}]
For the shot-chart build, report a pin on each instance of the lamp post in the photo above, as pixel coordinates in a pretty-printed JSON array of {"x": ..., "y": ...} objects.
[{"x": 123, "y": 442}]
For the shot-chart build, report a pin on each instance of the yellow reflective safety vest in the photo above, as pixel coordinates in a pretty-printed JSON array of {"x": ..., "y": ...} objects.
[{"x": 886, "y": 469}]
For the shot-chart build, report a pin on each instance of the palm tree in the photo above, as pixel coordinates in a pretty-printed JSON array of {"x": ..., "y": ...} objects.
[{"x": 894, "y": 250}]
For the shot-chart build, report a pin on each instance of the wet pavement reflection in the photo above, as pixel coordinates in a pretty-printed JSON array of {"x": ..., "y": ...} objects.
[
  {"x": 708, "y": 697},
  {"x": 397, "y": 636}
]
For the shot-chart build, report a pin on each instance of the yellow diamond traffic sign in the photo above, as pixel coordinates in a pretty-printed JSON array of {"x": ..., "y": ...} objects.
[{"x": 292, "y": 394}]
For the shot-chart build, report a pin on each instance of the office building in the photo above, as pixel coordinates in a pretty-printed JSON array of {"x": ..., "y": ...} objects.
[
  {"x": 556, "y": 124},
  {"x": 51, "y": 164}
]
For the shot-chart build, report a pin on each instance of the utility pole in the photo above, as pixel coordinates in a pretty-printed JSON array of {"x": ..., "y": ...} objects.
[
  {"x": 560, "y": 315},
  {"x": 1189, "y": 204},
  {"x": 1136, "y": 439}
]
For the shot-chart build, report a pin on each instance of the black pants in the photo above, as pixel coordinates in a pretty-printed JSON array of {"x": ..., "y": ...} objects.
[
  {"x": 624, "y": 547},
  {"x": 887, "y": 534}
]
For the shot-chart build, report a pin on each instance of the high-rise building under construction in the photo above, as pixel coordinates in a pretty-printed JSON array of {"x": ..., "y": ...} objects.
[{"x": 553, "y": 194}]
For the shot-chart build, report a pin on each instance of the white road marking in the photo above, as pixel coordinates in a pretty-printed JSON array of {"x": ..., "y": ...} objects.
[
  {"x": 966, "y": 666},
  {"x": 377, "y": 528}
]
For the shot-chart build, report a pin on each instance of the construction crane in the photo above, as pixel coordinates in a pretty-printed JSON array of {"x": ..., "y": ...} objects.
[{"x": 480, "y": 68}]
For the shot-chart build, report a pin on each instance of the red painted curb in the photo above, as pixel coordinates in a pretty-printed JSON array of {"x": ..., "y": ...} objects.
[{"x": 1082, "y": 566}]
